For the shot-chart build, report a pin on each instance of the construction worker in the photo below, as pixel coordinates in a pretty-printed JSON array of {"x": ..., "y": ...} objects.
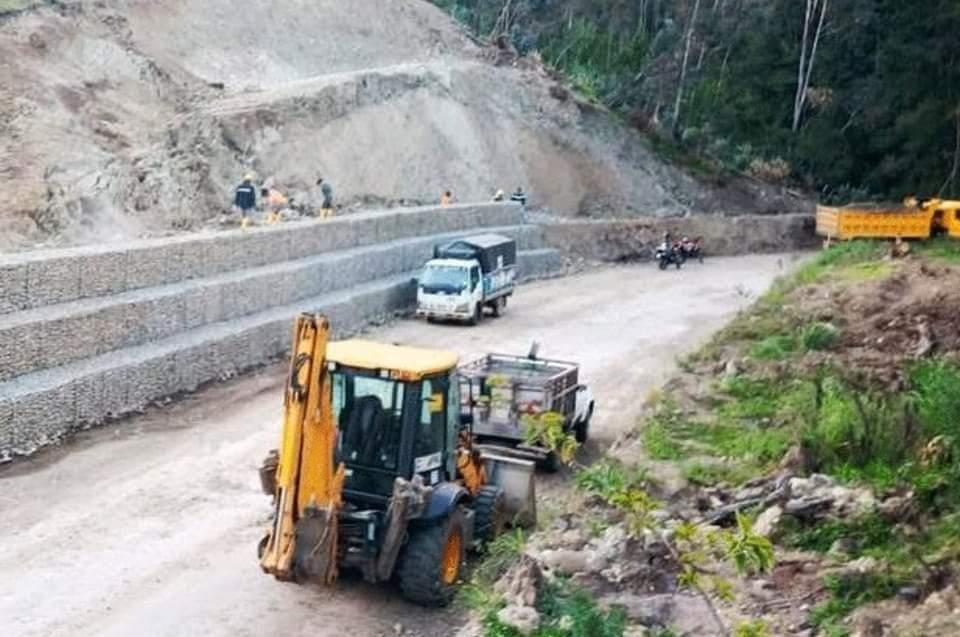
[
  {"x": 325, "y": 210},
  {"x": 519, "y": 196},
  {"x": 446, "y": 199},
  {"x": 245, "y": 198},
  {"x": 276, "y": 202}
]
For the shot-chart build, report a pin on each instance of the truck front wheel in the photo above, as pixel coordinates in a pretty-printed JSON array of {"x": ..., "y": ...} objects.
[
  {"x": 477, "y": 315},
  {"x": 582, "y": 429}
]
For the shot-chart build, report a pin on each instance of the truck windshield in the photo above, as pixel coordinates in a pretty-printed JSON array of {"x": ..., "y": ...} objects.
[{"x": 444, "y": 278}]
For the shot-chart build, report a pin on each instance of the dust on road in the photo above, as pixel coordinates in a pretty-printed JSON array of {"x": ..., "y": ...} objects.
[{"x": 150, "y": 528}]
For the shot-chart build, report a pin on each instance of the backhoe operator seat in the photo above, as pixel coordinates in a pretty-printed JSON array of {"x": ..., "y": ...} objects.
[{"x": 364, "y": 431}]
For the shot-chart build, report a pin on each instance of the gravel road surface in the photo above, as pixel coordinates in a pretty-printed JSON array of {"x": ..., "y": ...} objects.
[{"x": 150, "y": 527}]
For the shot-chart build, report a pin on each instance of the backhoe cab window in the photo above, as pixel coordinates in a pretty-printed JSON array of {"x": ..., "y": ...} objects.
[
  {"x": 431, "y": 434},
  {"x": 368, "y": 415}
]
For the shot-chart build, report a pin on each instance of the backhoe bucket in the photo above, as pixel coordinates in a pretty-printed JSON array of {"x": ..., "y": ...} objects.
[{"x": 516, "y": 476}]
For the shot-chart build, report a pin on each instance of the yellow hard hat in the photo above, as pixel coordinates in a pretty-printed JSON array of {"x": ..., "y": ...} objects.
[{"x": 248, "y": 177}]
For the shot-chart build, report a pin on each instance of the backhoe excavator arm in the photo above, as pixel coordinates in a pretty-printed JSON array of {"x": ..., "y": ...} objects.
[{"x": 309, "y": 485}]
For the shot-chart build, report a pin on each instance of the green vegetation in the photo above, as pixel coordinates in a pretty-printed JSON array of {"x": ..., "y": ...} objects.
[
  {"x": 871, "y": 533},
  {"x": 565, "y": 611},
  {"x": 608, "y": 477},
  {"x": 548, "y": 430},
  {"x": 848, "y": 593},
  {"x": 878, "y": 118},
  {"x": 902, "y": 438},
  {"x": 8, "y": 6},
  {"x": 756, "y": 628},
  {"x": 720, "y": 472}
]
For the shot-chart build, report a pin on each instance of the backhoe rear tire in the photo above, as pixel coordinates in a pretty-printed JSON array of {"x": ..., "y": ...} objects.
[
  {"x": 429, "y": 568},
  {"x": 490, "y": 512}
]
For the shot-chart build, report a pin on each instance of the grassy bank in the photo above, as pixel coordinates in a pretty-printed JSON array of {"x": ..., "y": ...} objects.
[{"x": 836, "y": 365}]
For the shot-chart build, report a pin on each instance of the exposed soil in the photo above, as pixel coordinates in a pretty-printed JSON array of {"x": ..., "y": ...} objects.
[
  {"x": 129, "y": 117},
  {"x": 887, "y": 323}
]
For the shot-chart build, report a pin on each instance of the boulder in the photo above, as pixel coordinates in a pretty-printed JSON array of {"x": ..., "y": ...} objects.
[
  {"x": 858, "y": 568},
  {"x": 768, "y": 522},
  {"x": 573, "y": 562},
  {"x": 686, "y": 614},
  {"x": 897, "y": 508},
  {"x": 843, "y": 547},
  {"x": 523, "y": 619},
  {"x": 519, "y": 586},
  {"x": 612, "y": 544},
  {"x": 809, "y": 506}
]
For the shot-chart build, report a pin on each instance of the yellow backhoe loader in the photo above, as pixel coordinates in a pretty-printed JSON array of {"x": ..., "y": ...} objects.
[{"x": 377, "y": 471}]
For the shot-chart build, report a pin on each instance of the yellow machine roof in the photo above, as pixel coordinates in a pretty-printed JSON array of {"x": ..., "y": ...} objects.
[{"x": 414, "y": 362}]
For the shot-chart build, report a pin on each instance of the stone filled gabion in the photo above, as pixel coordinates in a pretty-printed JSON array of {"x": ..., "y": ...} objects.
[{"x": 92, "y": 334}]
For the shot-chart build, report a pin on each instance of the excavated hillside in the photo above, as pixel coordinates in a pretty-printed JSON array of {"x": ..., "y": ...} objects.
[{"x": 128, "y": 117}]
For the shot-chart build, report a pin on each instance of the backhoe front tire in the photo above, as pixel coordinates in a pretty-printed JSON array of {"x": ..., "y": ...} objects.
[
  {"x": 429, "y": 568},
  {"x": 490, "y": 512}
]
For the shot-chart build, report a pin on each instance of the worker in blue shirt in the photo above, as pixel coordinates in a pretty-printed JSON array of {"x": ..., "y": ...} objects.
[{"x": 246, "y": 197}]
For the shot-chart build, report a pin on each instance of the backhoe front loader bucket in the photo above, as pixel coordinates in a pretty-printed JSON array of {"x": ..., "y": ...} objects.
[{"x": 517, "y": 477}]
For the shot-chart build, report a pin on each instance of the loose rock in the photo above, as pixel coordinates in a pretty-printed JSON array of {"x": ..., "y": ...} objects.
[
  {"x": 768, "y": 522},
  {"x": 523, "y": 619}
]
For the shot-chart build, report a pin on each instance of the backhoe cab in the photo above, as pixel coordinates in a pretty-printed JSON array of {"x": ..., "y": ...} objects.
[{"x": 383, "y": 473}]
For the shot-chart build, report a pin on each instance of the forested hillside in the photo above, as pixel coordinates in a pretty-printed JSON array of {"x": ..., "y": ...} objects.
[{"x": 850, "y": 98}]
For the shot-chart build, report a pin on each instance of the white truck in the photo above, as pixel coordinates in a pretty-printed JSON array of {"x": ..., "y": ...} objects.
[{"x": 466, "y": 277}]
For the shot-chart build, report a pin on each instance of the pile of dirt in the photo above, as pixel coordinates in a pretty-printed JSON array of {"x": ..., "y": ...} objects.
[
  {"x": 887, "y": 323},
  {"x": 125, "y": 117}
]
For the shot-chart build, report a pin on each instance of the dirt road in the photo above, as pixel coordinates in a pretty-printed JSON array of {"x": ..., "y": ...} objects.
[{"x": 150, "y": 528}]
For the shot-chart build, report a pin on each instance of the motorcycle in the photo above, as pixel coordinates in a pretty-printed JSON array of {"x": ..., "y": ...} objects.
[
  {"x": 691, "y": 250},
  {"x": 667, "y": 256}
]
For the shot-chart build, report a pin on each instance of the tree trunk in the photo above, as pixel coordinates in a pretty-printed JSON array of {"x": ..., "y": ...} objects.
[
  {"x": 950, "y": 183},
  {"x": 805, "y": 69},
  {"x": 683, "y": 65}
]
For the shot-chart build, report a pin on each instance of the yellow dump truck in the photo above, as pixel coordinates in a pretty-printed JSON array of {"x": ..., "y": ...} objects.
[{"x": 914, "y": 219}]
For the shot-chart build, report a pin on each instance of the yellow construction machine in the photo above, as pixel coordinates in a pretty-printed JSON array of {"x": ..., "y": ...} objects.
[
  {"x": 915, "y": 219},
  {"x": 377, "y": 471}
]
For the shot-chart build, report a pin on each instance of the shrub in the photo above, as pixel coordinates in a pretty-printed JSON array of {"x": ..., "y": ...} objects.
[
  {"x": 849, "y": 593},
  {"x": 819, "y": 336},
  {"x": 565, "y": 611},
  {"x": 774, "y": 348},
  {"x": 609, "y": 477}
]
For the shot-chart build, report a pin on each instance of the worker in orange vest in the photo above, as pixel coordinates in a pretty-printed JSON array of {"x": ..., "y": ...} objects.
[{"x": 446, "y": 199}]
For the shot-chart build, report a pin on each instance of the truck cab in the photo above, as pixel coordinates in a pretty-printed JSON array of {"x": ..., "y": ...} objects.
[
  {"x": 450, "y": 289},
  {"x": 466, "y": 277}
]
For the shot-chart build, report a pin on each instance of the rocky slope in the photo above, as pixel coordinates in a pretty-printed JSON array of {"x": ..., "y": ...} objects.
[{"x": 123, "y": 117}]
